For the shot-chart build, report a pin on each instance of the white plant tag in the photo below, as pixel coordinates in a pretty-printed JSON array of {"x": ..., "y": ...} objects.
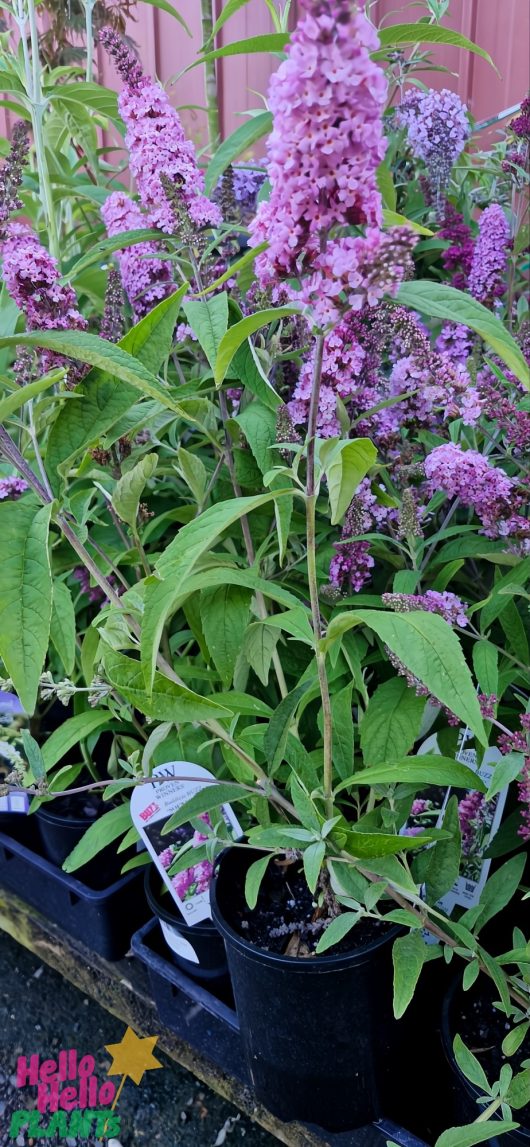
[
  {"x": 484, "y": 818},
  {"x": 151, "y": 806}
]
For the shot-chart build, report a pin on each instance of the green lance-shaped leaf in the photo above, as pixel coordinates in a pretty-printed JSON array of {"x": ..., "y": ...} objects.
[
  {"x": 428, "y": 648},
  {"x": 129, "y": 489},
  {"x": 418, "y": 33},
  {"x": 208, "y": 318},
  {"x": 254, "y": 878},
  {"x": 242, "y": 138},
  {"x": 470, "y": 1066},
  {"x": 105, "y": 830},
  {"x": 177, "y": 562},
  {"x": 33, "y": 755},
  {"x": 62, "y": 630},
  {"x": 240, "y": 332},
  {"x": 258, "y": 424},
  {"x": 475, "y": 1133},
  {"x": 259, "y": 645},
  {"x": 102, "y": 399},
  {"x": 167, "y": 701},
  {"x": 165, "y": 6},
  {"x": 224, "y": 616},
  {"x": 25, "y": 594},
  {"x": 23, "y": 394},
  {"x": 280, "y": 723},
  {"x": 425, "y": 770},
  {"x": 337, "y": 930},
  {"x": 101, "y": 251},
  {"x": 409, "y": 954},
  {"x": 274, "y": 42},
  {"x": 209, "y": 797},
  {"x": 343, "y": 731},
  {"x": 247, "y": 367},
  {"x": 443, "y": 302},
  {"x": 229, "y": 9},
  {"x": 391, "y": 722},
  {"x": 193, "y": 471},
  {"x": 98, "y": 352},
  {"x": 68, "y": 734},
  {"x": 349, "y": 465},
  {"x": 444, "y": 857}
]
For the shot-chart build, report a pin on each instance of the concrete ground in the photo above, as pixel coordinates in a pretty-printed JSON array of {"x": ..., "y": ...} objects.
[{"x": 42, "y": 1013}]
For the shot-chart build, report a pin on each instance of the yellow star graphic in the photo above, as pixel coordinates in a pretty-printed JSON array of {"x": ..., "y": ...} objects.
[{"x": 133, "y": 1056}]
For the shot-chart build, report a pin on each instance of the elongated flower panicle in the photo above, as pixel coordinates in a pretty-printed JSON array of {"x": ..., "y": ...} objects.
[
  {"x": 437, "y": 127},
  {"x": 33, "y": 280},
  {"x": 326, "y": 98},
  {"x": 487, "y": 278},
  {"x": 468, "y": 475},
  {"x": 157, "y": 144},
  {"x": 111, "y": 327},
  {"x": 351, "y": 567},
  {"x": 457, "y": 258},
  {"x": 446, "y": 604},
  {"x": 11, "y": 175},
  {"x": 146, "y": 279}
]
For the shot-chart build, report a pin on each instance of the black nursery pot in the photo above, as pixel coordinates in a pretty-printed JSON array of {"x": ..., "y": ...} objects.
[
  {"x": 198, "y": 948},
  {"x": 464, "y": 1093},
  {"x": 62, "y": 823},
  {"x": 317, "y": 1031}
]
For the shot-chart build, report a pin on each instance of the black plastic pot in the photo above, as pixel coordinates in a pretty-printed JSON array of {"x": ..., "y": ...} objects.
[
  {"x": 198, "y": 949},
  {"x": 60, "y": 832},
  {"x": 464, "y": 1093},
  {"x": 101, "y": 919},
  {"x": 317, "y": 1032},
  {"x": 204, "y": 1017}
]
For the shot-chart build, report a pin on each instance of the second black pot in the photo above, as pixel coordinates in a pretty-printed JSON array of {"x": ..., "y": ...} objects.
[
  {"x": 318, "y": 1031},
  {"x": 62, "y": 823},
  {"x": 196, "y": 948},
  {"x": 465, "y": 1094}
]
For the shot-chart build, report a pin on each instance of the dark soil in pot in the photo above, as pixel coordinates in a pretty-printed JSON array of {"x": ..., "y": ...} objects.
[
  {"x": 63, "y": 821},
  {"x": 198, "y": 948},
  {"x": 482, "y": 1028},
  {"x": 317, "y": 1031},
  {"x": 284, "y": 919}
]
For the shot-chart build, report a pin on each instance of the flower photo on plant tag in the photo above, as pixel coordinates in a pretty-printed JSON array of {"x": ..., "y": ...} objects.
[{"x": 152, "y": 805}]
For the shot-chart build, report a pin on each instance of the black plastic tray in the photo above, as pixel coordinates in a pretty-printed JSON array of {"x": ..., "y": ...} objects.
[
  {"x": 207, "y": 1020},
  {"x": 102, "y": 919}
]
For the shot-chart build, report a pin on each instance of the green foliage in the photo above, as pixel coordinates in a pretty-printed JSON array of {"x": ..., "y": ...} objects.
[{"x": 25, "y": 595}]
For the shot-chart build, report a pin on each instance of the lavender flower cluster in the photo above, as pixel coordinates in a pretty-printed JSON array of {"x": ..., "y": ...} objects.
[
  {"x": 157, "y": 145},
  {"x": 437, "y": 127},
  {"x": 326, "y": 100},
  {"x": 146, "y": 278}
]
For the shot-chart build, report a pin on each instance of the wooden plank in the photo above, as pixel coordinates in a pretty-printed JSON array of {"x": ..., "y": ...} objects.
[{"x": 122, "y": 989}]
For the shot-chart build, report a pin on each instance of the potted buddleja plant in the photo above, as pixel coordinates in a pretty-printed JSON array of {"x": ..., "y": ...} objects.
[{"x": 294, "y": 436}]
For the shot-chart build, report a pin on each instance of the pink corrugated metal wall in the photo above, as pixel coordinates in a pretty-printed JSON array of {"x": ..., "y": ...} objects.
[{"x": 500, "y": 26}]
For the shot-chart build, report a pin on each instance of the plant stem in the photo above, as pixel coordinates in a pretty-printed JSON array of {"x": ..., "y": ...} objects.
[
  {"x": 210, "y": 77},
  {"x": 490, "y": 1110},
  {"x": 38, "y": 105},
  {"x": 89, "y": 35},
  {"x": 320, "y": 657}
]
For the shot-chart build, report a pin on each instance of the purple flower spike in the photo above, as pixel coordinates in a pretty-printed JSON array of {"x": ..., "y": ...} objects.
[{"x": 157, "y": 145}]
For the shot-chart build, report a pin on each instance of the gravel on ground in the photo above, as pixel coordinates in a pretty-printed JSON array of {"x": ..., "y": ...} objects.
[{"x": 42, "y": 1013}]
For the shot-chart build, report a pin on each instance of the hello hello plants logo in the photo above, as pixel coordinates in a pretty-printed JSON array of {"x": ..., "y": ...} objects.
[{"x": 71, "y": 1099}]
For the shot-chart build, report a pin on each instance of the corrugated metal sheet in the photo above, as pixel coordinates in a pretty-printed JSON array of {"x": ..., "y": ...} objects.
[{"x": 500, "y": 26}]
